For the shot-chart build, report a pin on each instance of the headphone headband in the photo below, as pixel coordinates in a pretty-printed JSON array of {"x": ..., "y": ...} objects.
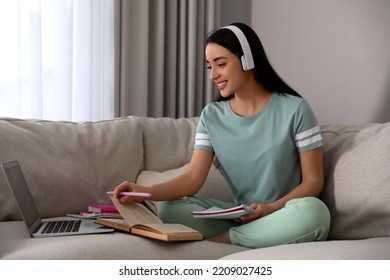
[{"x": 246, "y": 59}]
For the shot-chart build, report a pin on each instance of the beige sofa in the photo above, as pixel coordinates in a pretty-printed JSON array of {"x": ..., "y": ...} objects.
[{"x": 69, "y": 165}]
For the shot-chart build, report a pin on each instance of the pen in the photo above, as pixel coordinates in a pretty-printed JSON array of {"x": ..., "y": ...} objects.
[{"x": 139, "y": 194}]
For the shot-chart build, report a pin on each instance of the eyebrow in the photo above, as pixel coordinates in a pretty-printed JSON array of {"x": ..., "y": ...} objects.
[{"x": 217, "y": 58}]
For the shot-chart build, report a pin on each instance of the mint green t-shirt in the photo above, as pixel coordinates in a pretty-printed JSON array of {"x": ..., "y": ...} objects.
[{"x": 259, "y": 155}]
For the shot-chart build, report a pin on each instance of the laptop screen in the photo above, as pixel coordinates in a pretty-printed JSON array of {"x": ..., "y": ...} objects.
[{"x": 22, "y": 194}]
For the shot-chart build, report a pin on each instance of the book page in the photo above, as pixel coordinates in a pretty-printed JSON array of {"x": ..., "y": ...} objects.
[
  {"x": 167, "y": 232},
  {"x": 135, "y": 213},
  {"x": 120, "y": 224},
  {"x": 218, "y": 213},
  {"x": 166, "y": 228}
]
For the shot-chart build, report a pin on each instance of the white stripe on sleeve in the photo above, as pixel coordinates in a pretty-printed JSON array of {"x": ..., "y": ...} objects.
[
  {"x": 308, "y": 141},
  {"x": 307, "y": 133},
  {"x": 202, "y": 139}
]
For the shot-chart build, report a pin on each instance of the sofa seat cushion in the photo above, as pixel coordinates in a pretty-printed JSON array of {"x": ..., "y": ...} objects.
[
  {"x": 16, "y": 244},
  {"x": 367, "y": 249},
  {"x": 69, "y": 165},
  {"x": 357, "y": 174}
]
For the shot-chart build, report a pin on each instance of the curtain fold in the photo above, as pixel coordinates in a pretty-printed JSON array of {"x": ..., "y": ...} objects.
[
  {"x": 57, "y": 59},
  {"x": 98, "y": 59},
  {"x": 160, "y": 63}
]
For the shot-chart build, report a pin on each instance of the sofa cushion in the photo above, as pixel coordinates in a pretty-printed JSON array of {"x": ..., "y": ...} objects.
[
  {"x": 214, "y": 187},
  {"x": 16, "y": 244},
  {"x": 69, "y": 165},
  {"x": 357, "y": 187},
  {"x": 367, "y": 249},
  {"x": 168, "y": 142}
]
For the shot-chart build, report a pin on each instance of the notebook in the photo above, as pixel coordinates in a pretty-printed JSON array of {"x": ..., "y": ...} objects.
[{"x": 30, "y": 215}]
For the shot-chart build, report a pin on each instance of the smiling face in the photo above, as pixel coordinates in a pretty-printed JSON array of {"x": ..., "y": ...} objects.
[{"x": 225, "y": 69}]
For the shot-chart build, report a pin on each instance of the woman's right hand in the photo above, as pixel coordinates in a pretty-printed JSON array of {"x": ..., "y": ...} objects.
[{"x": 128, "y": 187}]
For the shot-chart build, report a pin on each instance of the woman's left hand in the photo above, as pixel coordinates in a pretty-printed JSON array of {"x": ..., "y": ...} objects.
[{"x": 261, "y": 210}]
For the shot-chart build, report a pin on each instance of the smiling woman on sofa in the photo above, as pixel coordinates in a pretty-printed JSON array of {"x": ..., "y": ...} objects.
[{"x": 269, "y": 148}]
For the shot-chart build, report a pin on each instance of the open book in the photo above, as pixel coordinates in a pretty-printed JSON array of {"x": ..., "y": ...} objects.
[
  {"x": 219, "y": 213},
  {"x": 139, "y": 220}
]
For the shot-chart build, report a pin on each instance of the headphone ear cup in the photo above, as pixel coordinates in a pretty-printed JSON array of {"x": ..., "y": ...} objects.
[
  {"x": 243, "y": 62},
  {"x": 247, "y": 59}
]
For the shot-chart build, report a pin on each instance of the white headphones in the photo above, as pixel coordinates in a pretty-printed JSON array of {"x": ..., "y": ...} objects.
[{"x": 246, "y": 59}]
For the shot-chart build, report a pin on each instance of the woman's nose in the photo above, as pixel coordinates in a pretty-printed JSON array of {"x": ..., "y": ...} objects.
[{"x": 213, "y": 74}]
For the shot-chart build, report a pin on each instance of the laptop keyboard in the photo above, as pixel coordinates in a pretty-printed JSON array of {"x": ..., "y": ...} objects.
[{"x": 62, "y": 226}]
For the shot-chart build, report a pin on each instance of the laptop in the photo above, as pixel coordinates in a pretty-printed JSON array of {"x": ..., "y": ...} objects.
[{"x": 29, "y": 212}]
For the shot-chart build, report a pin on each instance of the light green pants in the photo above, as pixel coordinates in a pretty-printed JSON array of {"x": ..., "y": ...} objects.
[{"x": 301, "y": 220}]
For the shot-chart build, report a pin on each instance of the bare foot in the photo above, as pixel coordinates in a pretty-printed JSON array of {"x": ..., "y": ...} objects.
[{"x": 221, "y": 238}]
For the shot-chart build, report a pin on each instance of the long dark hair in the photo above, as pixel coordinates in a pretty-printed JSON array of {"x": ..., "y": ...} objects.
[{"x": 264, "y": 72}]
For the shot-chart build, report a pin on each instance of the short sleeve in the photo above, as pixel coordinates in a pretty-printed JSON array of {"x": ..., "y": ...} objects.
[
  {"x": 307, "y": 130},
  {"x": 202, "y": 139}
]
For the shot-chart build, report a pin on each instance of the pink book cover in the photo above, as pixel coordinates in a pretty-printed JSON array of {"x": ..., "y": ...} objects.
[{"x": 102, "y": 208}]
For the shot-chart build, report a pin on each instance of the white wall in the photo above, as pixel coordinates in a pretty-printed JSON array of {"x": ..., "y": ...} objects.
[
  {"x": 235, "y": 11},
  {"x": 336, "y": 53}
]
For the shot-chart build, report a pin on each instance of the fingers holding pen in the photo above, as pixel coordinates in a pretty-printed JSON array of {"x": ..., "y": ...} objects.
[{"x": 127, "y": 191}]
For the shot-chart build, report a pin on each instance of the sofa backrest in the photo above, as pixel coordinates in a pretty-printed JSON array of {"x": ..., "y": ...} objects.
[
  {"x": 357, "y": 174},
  {"x": 69, "y": 165},
  {"x": 168, "y": 143}
]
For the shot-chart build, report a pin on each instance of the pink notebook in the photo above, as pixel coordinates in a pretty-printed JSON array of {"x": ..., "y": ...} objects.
[{"x": 102, "y": 208}]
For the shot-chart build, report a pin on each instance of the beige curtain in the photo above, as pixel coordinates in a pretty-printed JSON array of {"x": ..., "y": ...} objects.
[{"x": 160, "y": 63}]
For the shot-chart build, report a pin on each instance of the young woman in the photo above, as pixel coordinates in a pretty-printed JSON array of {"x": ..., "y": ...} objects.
[{"x": 268, "y": 145}]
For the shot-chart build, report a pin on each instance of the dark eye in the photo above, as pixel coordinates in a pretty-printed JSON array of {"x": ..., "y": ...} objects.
[{"x": 221, "y": 65}]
